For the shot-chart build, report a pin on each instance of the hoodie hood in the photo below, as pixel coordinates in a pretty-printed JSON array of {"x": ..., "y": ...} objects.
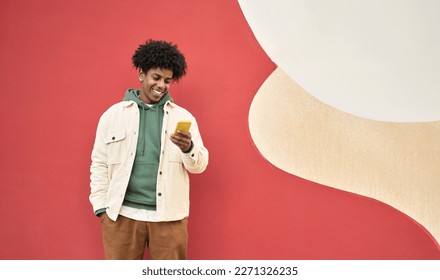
[{"x": 133, "y": 95}]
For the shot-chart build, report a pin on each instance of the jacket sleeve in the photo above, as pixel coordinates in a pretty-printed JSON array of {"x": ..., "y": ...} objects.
[
  {"x": 196, "y": 160},
  {"x": 99, "y": 180}
]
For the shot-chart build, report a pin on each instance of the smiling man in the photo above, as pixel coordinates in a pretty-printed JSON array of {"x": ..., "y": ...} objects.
[{"x": 139, "y": 171}]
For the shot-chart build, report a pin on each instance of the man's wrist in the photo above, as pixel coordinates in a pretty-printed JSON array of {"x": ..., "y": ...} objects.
[{"x": 190, "y": 148}]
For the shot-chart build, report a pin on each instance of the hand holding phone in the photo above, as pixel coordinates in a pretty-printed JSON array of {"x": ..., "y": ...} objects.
[{"x": 182, "y": 140}]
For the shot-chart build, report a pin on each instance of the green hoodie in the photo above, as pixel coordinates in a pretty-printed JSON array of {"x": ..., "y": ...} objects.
[{"x": 141, "y": 190}]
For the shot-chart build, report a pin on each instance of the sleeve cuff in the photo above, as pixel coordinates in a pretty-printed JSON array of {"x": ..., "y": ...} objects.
[
  {"x": 190, "y": 148},
  {"x": 99, "y": 211}
]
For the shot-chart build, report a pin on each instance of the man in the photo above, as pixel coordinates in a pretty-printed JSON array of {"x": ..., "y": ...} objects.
[{"x": 140, "y": 164}]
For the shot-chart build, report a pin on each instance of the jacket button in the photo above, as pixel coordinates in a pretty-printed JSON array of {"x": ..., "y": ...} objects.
[
  {"x": 159, "y": 194},
  {"x": 160, "y": 172},
  {"x": 113, "y": 138}
]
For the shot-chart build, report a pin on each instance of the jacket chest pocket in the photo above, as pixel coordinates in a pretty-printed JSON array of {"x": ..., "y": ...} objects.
[{"x": 116, "y": 146}]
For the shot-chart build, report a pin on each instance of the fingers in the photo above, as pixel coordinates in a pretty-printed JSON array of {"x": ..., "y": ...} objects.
[{"x": 182, "y": 140}]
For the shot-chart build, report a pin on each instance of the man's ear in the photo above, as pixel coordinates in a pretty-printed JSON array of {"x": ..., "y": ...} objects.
[{"x": 141, "y": 75}]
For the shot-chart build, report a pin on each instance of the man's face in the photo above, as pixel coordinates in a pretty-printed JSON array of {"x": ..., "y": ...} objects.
[{"x": 154, "y": 84}]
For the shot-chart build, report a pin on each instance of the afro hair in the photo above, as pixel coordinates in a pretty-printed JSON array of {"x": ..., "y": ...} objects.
[{"x": 160, "y": 54}]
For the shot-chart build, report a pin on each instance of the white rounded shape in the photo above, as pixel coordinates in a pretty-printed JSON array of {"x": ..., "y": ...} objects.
[{"x": 375, "y": 59}]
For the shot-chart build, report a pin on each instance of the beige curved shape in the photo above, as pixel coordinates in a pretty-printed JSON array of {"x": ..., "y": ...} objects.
[{"x": 396, "y": 163}]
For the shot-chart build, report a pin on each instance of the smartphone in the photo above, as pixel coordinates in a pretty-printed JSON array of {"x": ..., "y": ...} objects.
[{"x": 182, "y": 126}]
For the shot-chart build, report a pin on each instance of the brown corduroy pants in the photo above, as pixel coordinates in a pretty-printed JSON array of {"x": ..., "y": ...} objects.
[{"x": 126, "y": 239}]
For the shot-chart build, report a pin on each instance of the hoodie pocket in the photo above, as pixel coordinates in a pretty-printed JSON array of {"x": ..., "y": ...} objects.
[{"x": 116, "y": 147}]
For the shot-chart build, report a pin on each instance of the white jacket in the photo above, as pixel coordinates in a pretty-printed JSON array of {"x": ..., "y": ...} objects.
[{"x": 113, "y": 157}]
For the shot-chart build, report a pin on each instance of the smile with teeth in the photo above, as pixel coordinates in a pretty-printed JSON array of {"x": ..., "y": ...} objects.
[{"x": 157, "y": 92}]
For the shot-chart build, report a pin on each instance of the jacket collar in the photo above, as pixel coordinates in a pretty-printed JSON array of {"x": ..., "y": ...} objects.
[{"x": 168, "y": 103}]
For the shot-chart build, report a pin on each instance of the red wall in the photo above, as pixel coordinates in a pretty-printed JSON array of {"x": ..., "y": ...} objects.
[{"x": 64, "y": 62}]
